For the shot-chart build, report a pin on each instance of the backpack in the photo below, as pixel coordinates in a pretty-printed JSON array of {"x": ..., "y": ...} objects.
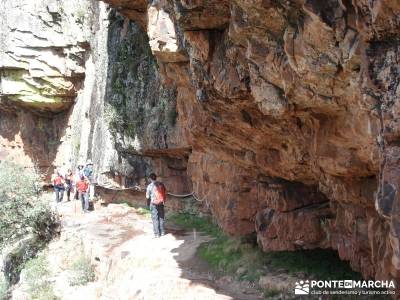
[
  {"x": 88, "y": 171},
  {"x": 160, "y": 193}
]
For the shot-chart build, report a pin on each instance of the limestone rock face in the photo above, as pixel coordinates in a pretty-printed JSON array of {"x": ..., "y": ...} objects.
[
  {"x": 44, "y": 57},
  {"x": 43, "y": 52},
  {"x": 290, "y": 109},
  {"x": 113, "y": 108}
]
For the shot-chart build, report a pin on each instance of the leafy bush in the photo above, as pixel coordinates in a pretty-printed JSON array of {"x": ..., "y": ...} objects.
[
  {"x": 21, "y": 211},
  {"x": 82, "y": 271}
]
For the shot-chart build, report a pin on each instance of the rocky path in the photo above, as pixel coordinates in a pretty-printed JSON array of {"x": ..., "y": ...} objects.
[{"x": 130, "y": 263}]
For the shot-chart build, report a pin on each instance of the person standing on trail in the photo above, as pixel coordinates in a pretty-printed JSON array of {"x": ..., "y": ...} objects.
[
  {"x": 82, "y": 187},
  {"x": 88, "y": 172},
  {"x": 156, "y": 196},
  {"x": 69, "y": 179},
  {"x": 77, "y": 177},
  {"x": 58, "y": 184}
]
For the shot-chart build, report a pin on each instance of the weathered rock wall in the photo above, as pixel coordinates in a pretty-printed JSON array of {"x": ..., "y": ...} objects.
[
  {"x": 87, "y": 88},
  {"x": 290, "y": 110},
  {"x": 282, "y": 113},
  {"x": 140, "y": 112},
  {"x": 45, "y": 46},
  {"x": 42, "y": 56}
]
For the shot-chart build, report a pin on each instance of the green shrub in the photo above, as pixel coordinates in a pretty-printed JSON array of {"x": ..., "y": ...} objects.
[
  {"x": 42, "y": 220},
  {"x": 82, "y": 271},
  {"x": 21, "y": 210}
]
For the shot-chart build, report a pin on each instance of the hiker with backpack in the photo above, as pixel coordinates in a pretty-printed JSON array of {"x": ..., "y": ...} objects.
[
  {"x": 156, "y": 196},
  {"x": 58, "y": 184},
  {"x": 82, "y": 187}
]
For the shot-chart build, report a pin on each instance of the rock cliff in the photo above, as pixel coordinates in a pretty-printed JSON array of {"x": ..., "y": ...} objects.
[
  {"x": 78, "y": 82},
  {"x": 290, "y": 111},
  {"x": 281, "y": 115},
  {"x": 45, "y": 46}
]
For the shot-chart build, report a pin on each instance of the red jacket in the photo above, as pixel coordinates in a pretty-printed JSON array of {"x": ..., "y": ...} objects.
[
  {"x": 82, "y": 186},
  {"x": 58, "y": 180}
]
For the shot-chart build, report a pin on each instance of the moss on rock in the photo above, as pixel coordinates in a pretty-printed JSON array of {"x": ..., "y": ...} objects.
[{"x": 137, "y": 105}]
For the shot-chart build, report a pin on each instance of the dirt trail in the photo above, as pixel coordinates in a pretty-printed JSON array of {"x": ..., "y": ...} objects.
[{"x": 130, "y": 263}]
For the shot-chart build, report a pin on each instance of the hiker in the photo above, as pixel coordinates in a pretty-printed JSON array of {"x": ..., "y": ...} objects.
[
  {"x": 156, "y": 196},
  {"x": 69, "y": 179},
  {"x": 58, "y": 184},
  {"x": 82, "y": 187},
  {"x": 88, "y": 172},
  {"x": 77, "y": 177}
]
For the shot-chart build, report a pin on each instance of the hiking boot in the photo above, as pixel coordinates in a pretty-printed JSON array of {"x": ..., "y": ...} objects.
[{"x": 156, "y": 236}]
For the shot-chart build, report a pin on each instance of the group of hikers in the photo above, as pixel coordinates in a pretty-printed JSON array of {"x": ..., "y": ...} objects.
[{"x": 79, "y": 184}]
